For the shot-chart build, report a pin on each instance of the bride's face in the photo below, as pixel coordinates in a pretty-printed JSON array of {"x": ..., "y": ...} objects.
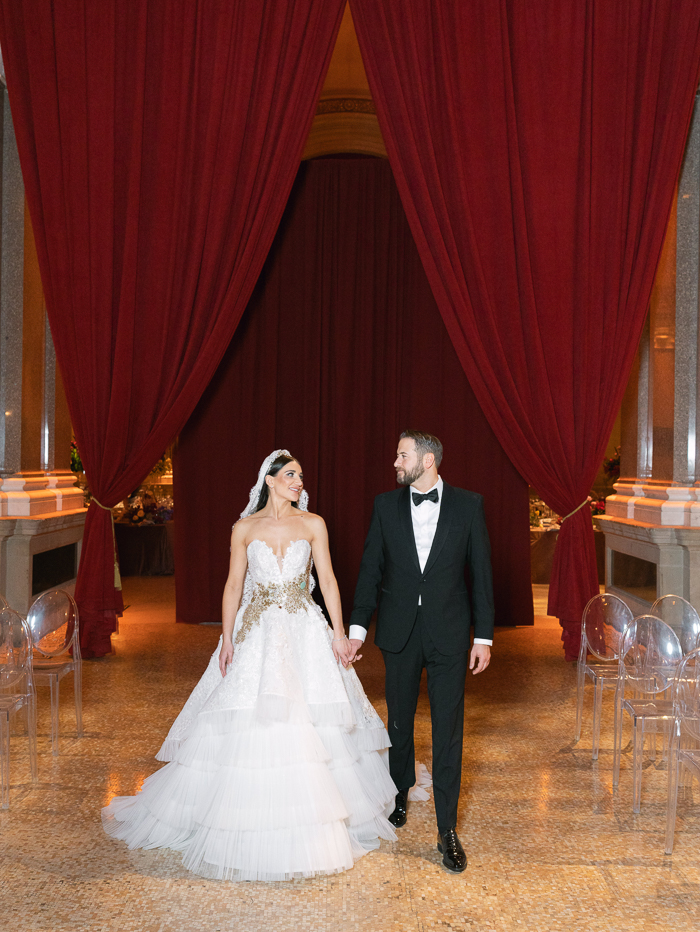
[{"x": 288, "y": 482}]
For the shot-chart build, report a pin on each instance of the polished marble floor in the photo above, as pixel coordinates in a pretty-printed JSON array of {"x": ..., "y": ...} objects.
[{"x": 550, "y": 846}]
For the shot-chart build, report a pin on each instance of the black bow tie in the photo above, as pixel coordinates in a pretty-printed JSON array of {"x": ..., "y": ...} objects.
[{"x": 431, "y": 496}]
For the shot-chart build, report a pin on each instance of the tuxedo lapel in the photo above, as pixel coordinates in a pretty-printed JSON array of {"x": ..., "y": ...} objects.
[
  {"x": 406, "y": 525},
  {"x": 444, "y": 522}
]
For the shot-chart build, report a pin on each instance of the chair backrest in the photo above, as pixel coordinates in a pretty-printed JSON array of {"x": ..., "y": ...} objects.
[
  {"x": 686, "y": 694},
  {"x": 604, "y": 621},
  {"x": 15, "y": 650},
  {"x": 682, "y": 617},
  {"x": 3, "y": 602},
  {"x": 53, "y": 622},
  {"x": 650, "y": 654}
]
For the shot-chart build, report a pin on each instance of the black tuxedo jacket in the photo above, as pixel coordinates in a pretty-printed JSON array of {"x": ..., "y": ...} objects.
[{"x": 390, "y": 574}]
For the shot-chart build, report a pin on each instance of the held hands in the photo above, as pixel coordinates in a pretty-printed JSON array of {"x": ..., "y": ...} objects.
[
  {"x": 225, "y": 656},
  {"x": 341, "y": 650},
  {"x": 479, "y": 658},
  {"x": 355, "y": 645}
]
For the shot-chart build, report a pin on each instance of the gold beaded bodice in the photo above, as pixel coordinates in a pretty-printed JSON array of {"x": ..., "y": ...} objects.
[{"x": 293, "y": 594}]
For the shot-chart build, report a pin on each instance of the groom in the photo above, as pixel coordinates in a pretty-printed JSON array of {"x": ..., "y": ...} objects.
[{"x": 421, "y": 539}]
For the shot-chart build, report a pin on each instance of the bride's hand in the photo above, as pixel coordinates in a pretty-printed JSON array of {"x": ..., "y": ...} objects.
[
  {"x": 225, "y": 657},
  {"x": 341, "y": 650}
]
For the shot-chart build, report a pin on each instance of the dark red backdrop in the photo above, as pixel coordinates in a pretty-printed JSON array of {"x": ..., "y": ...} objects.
[{"x": 340, "y": 348}]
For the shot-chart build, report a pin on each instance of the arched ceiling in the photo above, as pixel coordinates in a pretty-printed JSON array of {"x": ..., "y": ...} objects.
[{"x": 345, "y": 118}]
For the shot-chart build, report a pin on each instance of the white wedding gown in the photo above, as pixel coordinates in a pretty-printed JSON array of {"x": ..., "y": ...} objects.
[{"x": 277, "y": 770}]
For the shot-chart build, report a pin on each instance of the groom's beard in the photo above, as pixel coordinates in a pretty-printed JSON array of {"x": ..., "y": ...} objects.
[{"x": 408, "y": 478}]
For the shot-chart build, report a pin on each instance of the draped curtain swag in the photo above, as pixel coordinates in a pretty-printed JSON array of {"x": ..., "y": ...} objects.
[
  {"x": 158, "y": 143},
  {"x": 536, "y": 148}
]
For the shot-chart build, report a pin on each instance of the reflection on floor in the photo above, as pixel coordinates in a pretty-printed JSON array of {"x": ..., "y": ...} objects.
[{"x": 549, "y": 845}]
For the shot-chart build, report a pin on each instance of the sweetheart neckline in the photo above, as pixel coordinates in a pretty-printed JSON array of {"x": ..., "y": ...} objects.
[{"x": 291, "y": 543}]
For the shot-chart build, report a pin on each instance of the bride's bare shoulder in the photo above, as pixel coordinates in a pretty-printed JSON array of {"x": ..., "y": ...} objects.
[
  {"x": 314, "y": 522},
  {"x": 310, "y": 516},
  {"x": 241, "y": 527},
  {"x": 244, "y": 522}
]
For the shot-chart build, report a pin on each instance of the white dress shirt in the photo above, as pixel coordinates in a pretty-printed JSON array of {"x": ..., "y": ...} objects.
[{"x": 425, "y": 519}]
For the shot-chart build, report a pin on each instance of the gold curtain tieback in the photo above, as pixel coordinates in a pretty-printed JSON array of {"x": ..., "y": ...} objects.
[
  {"x": 117, "y": 574},
  {"x": 584, "y": 502}
]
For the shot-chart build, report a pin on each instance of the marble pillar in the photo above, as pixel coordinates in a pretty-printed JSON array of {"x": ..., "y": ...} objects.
[
  {"x": 41, "y": 508},
  {"x": 652, "y": 522},
  {"x": 11, "y": 294},
  {"x": 685, "y": 445}
]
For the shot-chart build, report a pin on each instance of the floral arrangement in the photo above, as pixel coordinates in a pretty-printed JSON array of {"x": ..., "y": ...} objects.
[
  {"x": 598, "y": 506},
  {"x": 611, "y": 466},
  {"x": 541, "y": 515},
  {"x": 163, "y": 466},
  {"x": 537, "y": 512},
  {"x": 76, "y": 464},
  {"x": 144, "y": 509}
]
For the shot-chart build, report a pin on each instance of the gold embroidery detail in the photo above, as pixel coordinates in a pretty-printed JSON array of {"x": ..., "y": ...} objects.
[{"x": 294, "y": 596}]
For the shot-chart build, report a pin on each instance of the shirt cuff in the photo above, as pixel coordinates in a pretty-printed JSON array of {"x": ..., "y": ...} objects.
[
  {"x": 476, "y": 640},
  {"x": 358, "y": 633}
]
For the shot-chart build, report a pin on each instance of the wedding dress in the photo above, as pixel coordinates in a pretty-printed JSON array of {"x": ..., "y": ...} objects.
[{"x": 277, "y": 770}]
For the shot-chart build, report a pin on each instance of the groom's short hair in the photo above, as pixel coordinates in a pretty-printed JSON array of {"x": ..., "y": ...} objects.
[{"x": 425, "y": 443}]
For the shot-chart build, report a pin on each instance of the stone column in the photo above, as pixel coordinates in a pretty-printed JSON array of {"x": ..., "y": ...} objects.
[
  {"x": 654, "y": 517},
  {"x": 29, "y": 483},
  {"x": 48, "y": 416},
  {"x": 685, "y": 441},
  {"x": 41, "y": 509},
  {"x": 11, "y": 294}
]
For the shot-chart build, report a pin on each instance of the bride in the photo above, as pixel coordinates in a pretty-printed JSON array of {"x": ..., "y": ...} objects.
[{"x": 277, "y": 763}]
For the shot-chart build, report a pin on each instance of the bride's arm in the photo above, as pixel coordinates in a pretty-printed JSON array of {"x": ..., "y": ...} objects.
[
  {"x": 233, "y": 591},
  {"x": 329, "y": 587}
]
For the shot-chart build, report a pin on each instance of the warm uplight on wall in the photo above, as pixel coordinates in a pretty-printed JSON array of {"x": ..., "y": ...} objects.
[{"x": 46, "y": 449}]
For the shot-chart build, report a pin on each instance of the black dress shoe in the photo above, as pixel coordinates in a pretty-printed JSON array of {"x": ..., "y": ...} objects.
[
  {"x": 398, "y": 816},
  {"x": 453, "y": 856}
]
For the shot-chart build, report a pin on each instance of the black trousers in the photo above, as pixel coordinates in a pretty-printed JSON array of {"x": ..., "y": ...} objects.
[{"x": 446, "y": 676}]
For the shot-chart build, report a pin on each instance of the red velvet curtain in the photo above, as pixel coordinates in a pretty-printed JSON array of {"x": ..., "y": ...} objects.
[
  {"x": 341, "y": 347},
  {"x": 536, "y": 147},
  {"x": 158, "y": 143}
]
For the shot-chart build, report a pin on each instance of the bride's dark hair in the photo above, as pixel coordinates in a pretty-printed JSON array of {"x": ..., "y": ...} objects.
[{"x": 275, "y": 467}]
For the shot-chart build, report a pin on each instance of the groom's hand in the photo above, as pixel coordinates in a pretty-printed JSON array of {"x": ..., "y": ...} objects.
[
  {"x": 480, "y": 658},
  {"x": 355, "y": 645}
]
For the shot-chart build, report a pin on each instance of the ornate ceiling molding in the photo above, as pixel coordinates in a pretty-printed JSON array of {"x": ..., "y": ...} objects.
[{"x": 345, "y": 105}]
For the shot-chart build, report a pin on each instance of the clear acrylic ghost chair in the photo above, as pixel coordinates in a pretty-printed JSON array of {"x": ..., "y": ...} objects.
[
  {"x": 3, "y": 602},
  {"x": 53, "y": 621},
  {"x": 602, "y": 626},
  {"x": 649, "y": 658},
  {"x": 682, "y": 617},
  {"x": 684, "y": 752},
  {"x": 16, "y": 692}
]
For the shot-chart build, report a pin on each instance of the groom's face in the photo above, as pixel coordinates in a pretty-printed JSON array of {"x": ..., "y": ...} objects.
[{"x": 409, "y": 468}]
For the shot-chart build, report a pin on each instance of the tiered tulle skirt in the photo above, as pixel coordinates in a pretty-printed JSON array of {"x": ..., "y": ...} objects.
[{"x": 280, "y": 791}]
